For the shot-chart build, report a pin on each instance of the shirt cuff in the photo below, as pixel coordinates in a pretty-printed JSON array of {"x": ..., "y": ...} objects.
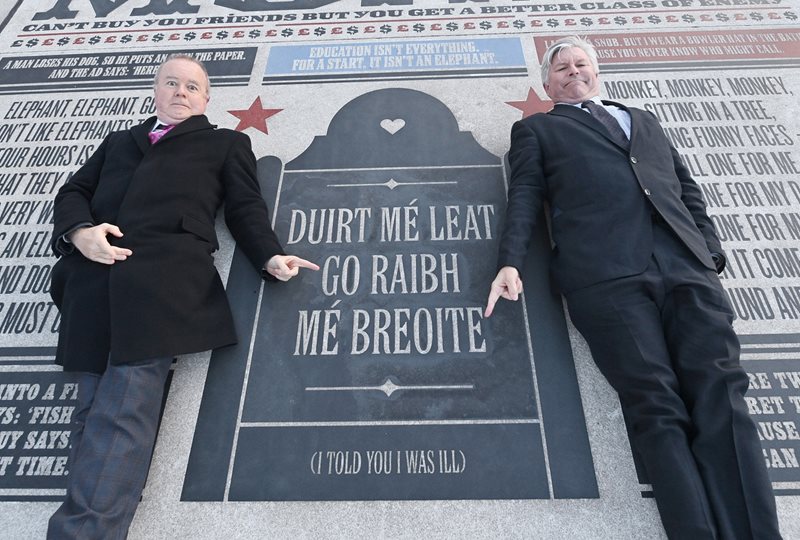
[{"x": 65, "y": 246}]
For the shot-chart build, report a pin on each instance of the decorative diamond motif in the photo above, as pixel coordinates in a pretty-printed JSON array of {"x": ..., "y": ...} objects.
[{"x": 389, "y": 387}]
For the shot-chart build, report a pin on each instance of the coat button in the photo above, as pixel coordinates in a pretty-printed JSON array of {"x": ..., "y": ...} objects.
[
  {"x": 647, "y": 192},
  {"x": 634, "y": 160}
]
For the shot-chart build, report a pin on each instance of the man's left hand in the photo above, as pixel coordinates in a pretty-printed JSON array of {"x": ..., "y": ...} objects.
[
  {"x": 285, "y": 267},
  {"x": 506, "y": 285}
]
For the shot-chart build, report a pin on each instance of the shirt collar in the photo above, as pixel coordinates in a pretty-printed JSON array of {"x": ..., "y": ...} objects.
[
  {"x": 595, "y": 99},
  {"x": 157, "y": 122}
]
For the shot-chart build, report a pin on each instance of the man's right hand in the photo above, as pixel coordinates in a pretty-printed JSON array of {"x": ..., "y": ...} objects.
[
  {"x": 507, "y": 285},
  {"x": 92, "y": 243}
]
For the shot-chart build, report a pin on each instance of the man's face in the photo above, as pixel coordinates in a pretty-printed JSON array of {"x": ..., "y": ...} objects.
[
  {"x": 572, "y": 79},
  {"x": 180, "y": 91}
]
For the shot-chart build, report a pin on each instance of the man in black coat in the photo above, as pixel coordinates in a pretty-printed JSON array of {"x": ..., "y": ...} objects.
[
  {"x": 136, "y": 284},
  {"x": 636, "y": 257}
]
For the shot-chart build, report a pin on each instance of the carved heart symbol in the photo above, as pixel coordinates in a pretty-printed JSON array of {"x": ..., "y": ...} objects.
[{"x": 393, "y": 126}]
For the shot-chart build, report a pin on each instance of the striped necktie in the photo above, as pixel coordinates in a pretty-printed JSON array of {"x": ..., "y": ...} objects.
[{"x": 609, "y": 122}]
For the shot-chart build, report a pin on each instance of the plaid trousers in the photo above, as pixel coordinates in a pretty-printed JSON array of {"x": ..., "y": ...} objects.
[{"x": 114, "y": 429}]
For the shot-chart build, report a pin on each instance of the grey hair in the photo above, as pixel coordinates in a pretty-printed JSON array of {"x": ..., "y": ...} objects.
[
  {"x": 567, "y": 43},
  {"x": 188, "y": 58}
]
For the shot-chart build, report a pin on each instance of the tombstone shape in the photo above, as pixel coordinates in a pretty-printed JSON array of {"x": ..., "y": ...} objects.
[{"x": 378, "y": 377}]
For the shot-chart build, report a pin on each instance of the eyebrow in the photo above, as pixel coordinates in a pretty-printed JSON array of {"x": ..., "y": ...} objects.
[
  {"x": 566, "y": 61},
  {"x": 173, "y": 78}
]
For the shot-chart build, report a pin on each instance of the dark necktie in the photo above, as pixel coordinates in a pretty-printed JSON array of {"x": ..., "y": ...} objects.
[
  {"x": 609, "y": 122},
  {"x": 159, "y": 131}
]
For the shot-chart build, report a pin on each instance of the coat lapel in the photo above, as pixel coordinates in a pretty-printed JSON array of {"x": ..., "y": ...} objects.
[
  {"x": 140, "y": 132},
  {"x": 191, "y": 124}
]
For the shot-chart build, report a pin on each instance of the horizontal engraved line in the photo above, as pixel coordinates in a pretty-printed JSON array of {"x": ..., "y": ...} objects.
[
  {"x": 391, "y": 184},
  {"x": 753, "y": 356},
  {"x": 32, "y": 367},
  {"x": 368, "y": 423},
  {"x": 17, "y": 492},
  {"x": 772, "y": 345},
  {"x": 413, "y": 168},
  {"x": 785, "y": 485},
  {"x": 389, "y": 387}
]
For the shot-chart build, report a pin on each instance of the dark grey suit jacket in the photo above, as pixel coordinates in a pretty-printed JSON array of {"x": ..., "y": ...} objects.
[{"x": 601, "y": 197}]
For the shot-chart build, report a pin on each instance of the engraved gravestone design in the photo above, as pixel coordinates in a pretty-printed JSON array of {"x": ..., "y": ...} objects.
[{"x": 378, "y": 377}]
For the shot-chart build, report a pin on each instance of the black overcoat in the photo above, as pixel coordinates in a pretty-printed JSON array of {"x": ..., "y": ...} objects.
[
  {"x": 602, "y": 197},
  {"x": 167, "y": 298}
]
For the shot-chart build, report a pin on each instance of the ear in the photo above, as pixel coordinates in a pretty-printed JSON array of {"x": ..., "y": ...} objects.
[{"x": 547, "y": 91}]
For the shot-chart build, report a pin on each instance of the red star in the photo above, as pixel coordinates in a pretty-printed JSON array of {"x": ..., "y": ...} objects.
[
  {"x": 255, "y": 117},
  {"x": 532, "y": 104}
]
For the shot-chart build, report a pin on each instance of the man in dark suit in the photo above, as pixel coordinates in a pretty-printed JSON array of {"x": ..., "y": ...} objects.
[
  {"x": 136, "y": 284},
  {"x": 636, "y": 257}
]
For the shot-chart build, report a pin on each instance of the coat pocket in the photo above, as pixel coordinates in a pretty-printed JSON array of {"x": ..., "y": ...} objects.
[{"x": 201, "y": 229}]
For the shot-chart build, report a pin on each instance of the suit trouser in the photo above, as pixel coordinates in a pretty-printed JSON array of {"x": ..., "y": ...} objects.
[
  {"x": 115, "y": 426},
  {"x": 664, "y": 341}
]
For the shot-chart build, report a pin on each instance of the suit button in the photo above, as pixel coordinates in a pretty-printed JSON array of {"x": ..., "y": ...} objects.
[
  {"x": 647, "y": 192},
  {"x": 634, "y": 160}
]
